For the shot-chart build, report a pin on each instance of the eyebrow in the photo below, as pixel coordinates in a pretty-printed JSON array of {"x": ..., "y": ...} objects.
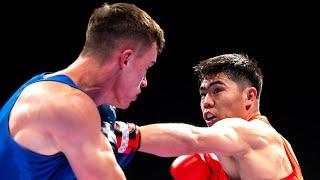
[{"x": 202, "y": 88}]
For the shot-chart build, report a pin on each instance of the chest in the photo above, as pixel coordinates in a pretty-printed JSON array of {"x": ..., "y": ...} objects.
[{"x": 229, "y": 165}]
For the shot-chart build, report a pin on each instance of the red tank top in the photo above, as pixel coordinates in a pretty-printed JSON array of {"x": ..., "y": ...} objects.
[{"x": 296, "y": 171}]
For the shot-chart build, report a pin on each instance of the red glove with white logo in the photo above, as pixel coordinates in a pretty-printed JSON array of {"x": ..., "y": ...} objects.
[{"x": 128, "y": 137}]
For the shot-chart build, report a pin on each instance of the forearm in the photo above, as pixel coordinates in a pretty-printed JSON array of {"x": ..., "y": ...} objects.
[
  {"x": 168, "y": 139},
  {"x": 175, "y": 139}
]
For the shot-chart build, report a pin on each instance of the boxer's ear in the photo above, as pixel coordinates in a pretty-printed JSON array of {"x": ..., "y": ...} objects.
[
  {"x": 251, "y": 96},
  {"x": 125, "y": 57}
]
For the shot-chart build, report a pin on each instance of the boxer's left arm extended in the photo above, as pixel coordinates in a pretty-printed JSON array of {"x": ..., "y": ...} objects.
[
  {"x": 175, "y": 139},
  {"x": 162, "y": 139},
  {"x": 166, "y": 140}
]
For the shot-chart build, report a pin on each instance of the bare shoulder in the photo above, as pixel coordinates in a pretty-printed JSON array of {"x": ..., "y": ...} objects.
[
  {"x": 60, "y": 106},
  {"x": 50, "y": 112},
  {"x": 233, "y": 122},
  {"x": 244, "y": 125},
  {"x": 255, "y": 132}
]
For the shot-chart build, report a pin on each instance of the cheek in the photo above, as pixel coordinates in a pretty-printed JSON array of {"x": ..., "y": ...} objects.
[
  {"x": 136, "y": 77},
  {"x": 234, "y": 103},
  {"x": 201, "y": 104},
  {"x": 137, "y": 80},
  {"x": 228, "y": 103}
]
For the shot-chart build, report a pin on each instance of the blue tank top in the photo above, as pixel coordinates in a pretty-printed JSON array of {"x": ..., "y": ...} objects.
[{"x": 17, "y": 162}]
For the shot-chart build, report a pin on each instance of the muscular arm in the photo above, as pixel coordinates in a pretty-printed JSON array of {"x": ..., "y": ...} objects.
[
  {"x": 226, "y": 137},
  {"x": 76, "y": 132}
]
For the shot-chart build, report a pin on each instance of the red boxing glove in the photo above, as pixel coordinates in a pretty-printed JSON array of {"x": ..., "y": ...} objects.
[
  {"x": 128, "y": 137},
  {"x": 217, "y": 172},
  {"x": 191, "y": 167}
]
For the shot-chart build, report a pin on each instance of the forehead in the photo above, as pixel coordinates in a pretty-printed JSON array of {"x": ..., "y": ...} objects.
[
  {"x": 150, "y": 55},
  {"x": 220, "y": 77}
]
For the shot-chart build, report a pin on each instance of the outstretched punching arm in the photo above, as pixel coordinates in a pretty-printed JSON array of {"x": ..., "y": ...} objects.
[
  {"x": 226, "y": 137},
  {"x": 173, "y": 139}
]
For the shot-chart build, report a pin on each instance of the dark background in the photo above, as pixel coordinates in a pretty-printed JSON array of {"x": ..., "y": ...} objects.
[{"x": 283, "y": 38}]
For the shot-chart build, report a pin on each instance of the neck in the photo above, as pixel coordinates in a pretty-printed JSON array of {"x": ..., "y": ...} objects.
[
  {"x": 253, "y": 115},
  {"x": 91, "y": 76},
  {"x": 252, "y": 111}
]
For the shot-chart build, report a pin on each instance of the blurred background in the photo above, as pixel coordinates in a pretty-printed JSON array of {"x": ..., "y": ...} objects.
[{"x": 283, "y": 37}]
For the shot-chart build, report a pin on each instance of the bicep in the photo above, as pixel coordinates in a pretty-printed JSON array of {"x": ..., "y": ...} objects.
[
  {"x": 220, "y": 140},
  {"x": 232, "y": 136}
]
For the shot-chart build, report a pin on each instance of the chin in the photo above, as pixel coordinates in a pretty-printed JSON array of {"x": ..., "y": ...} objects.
[{"x": 125, "y": 106}]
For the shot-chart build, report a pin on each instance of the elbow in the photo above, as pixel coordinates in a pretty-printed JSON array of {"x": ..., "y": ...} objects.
[{"x": 193, "y": 145}]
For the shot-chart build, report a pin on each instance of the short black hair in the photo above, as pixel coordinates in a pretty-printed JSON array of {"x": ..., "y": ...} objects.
[{"x": 238, "y": 67}]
